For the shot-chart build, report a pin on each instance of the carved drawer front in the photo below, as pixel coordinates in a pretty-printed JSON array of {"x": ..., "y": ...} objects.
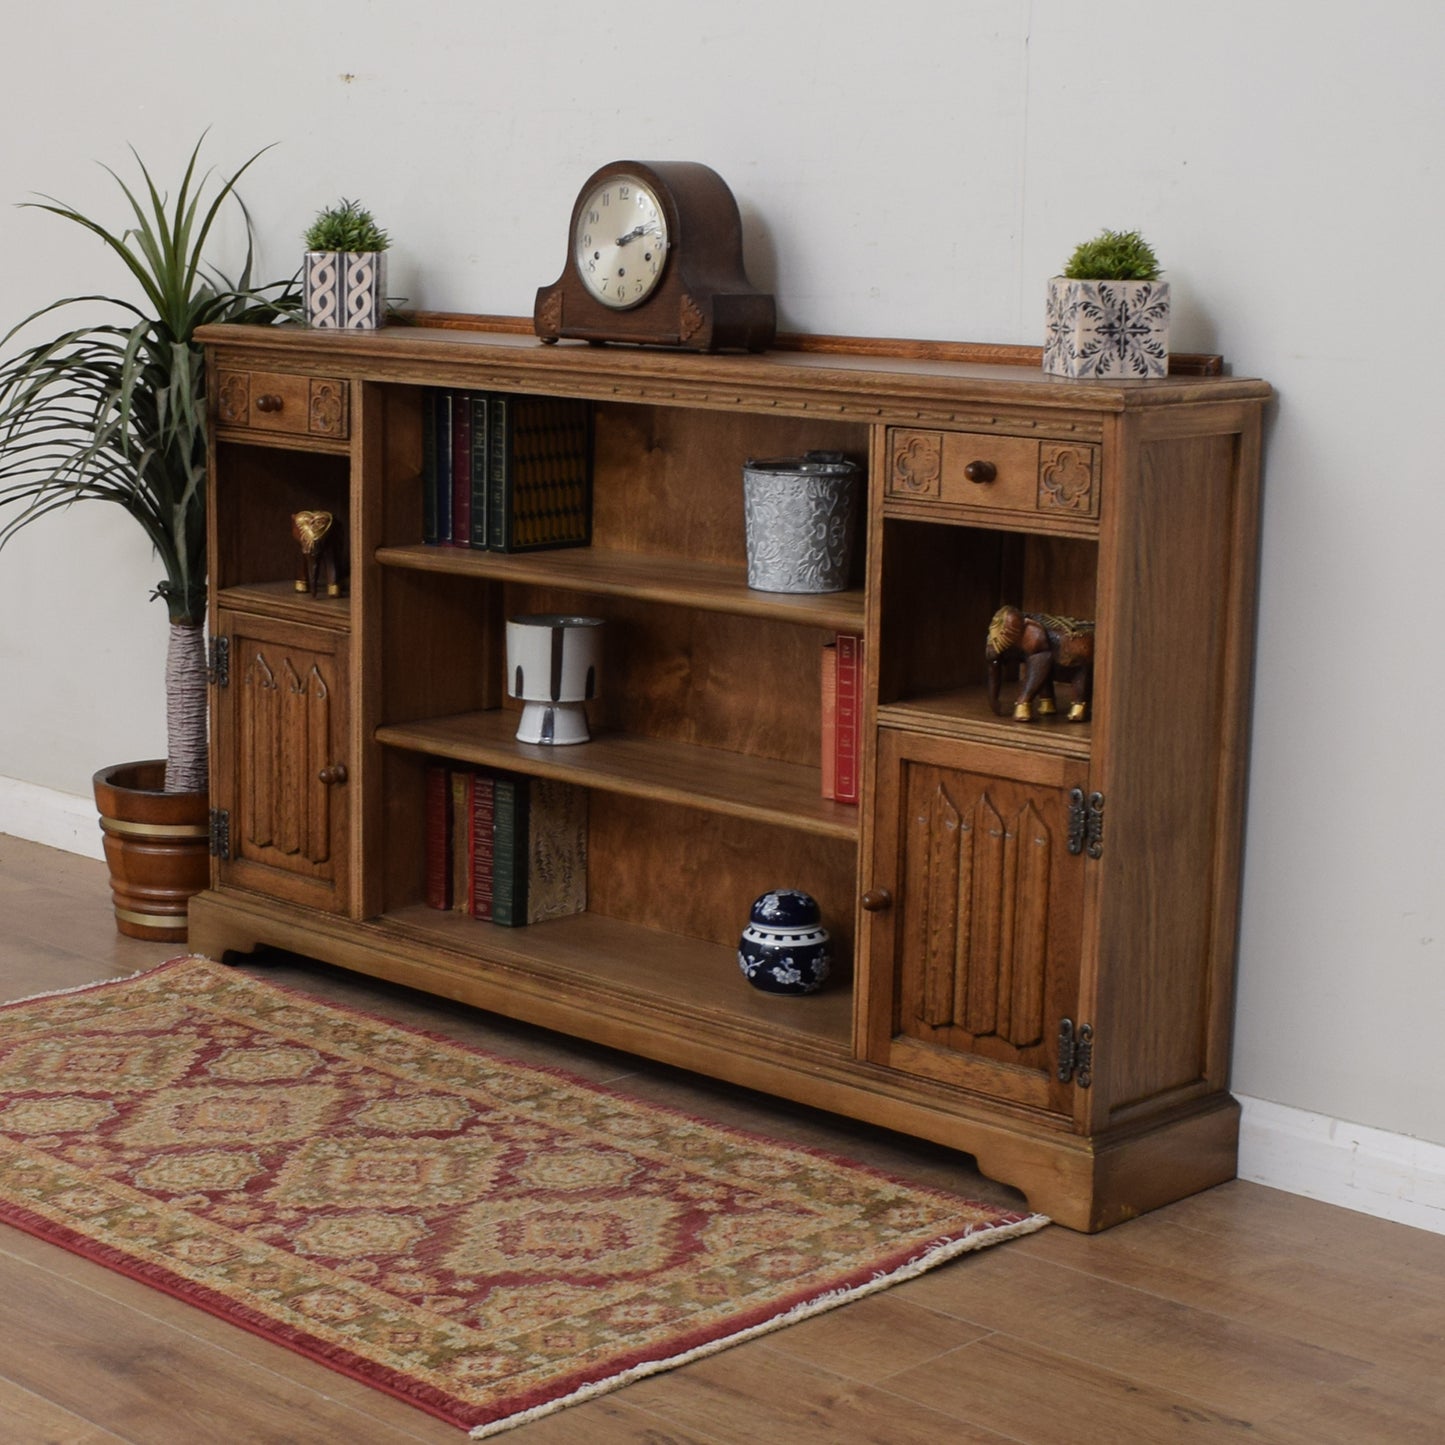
[
  {"x": 277, "y": 401},
  {"x": 976, "y": 469}
]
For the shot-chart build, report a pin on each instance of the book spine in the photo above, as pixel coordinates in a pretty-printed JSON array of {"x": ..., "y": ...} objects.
[
  {"x": 429, "y": 513},
  {"x": 828, "y": 691},
  {"x": 557, "y": 850},
  {"x": 477, "y": 462},
  {"x": 461, "y": 469},
  {"x": 510, "y": 851},
  {"x": 544, "y": 472},
  {"x": 438, "y": 836},
  {"x": 443, "y": 434},
  {"x": 461, "y": 789},
  {"x": 499, "y": 421},
  {"x": 850, "y": 654},
  {"x": 484, "y": 788}
]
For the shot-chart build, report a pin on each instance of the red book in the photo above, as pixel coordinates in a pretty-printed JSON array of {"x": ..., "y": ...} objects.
[
  {"x": 461, "y": 470},
  {"x": 438, "y": 836},
  {"x": 850, "y": 698},
  {"x": 828, "y": 683},
  {"x": 484, "y": 791}
]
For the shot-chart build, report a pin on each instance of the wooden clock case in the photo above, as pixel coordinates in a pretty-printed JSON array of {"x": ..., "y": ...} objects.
[{"x": 704, "y": 301}]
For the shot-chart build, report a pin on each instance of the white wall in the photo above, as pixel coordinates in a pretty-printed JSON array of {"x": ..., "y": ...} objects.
[{"x": 910, "y": 169}]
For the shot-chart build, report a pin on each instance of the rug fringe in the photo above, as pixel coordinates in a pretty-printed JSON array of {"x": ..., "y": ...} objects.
[
  {"x": 103, "y": 982},
  {"x": 929, "y": 1259}
]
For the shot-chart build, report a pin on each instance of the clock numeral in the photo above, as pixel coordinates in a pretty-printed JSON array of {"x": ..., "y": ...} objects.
[
  {"x": 592, "y": 218},
  {"x": 624, "y": 193}
]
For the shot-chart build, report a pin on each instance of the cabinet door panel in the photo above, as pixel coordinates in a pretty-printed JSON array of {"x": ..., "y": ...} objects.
[
  {"x": 281, "y": 730},
  {"x": 977, "y": 960}
]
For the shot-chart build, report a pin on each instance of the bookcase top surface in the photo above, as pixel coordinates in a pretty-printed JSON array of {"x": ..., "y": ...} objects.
[{"x": 859, "y": 372}]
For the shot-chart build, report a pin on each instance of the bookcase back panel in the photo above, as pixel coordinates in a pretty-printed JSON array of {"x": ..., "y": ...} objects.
[
  {"x": 669, "y": 481},
  {"x": 700, "y": 677},
  {"x": 681, "y": 871}
]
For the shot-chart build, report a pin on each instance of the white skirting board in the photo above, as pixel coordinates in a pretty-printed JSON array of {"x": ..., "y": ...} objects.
[
  {"x": 1391, "y": 1176},
  {"x": 1367, "y": 1170},
  {"x": 42, "y": 815}
]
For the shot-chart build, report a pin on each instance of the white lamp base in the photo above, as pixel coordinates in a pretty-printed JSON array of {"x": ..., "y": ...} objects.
[{"x": 553, "y": 722}]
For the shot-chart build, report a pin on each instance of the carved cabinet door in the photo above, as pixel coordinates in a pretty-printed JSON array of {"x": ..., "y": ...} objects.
[
  {"x": 974, "y": 961},
  {"x": 280, "y": 765}
]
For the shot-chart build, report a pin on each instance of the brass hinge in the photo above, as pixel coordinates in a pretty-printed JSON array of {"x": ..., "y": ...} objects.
[
  {"x": 219, "y": 670},
  {"x": 1086, "y": 823},
  {"x": 1076, "y": 1053},
  {"x": 221, "y": 834}
]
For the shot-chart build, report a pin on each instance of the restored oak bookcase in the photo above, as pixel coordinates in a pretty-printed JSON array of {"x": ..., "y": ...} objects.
[{"x": 1035, "y": 922}]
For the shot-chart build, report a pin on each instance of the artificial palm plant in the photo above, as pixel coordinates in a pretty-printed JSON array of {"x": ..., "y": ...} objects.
[{"x": 115, "y": 411}]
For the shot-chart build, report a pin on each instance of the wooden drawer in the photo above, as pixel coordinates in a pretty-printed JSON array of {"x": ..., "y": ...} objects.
[
  {"x": 977, "y": 469},
  {"x": 277, "y": 401}
]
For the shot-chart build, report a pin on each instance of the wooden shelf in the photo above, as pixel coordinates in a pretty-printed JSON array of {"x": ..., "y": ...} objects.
[
  {"x": 965, "y": 713},
  {"x": 614, "y": 967},
  {"x": 677, "y": 581},
  {"x": 282, "y": 600},
  {"x": 760, "y": 789}
]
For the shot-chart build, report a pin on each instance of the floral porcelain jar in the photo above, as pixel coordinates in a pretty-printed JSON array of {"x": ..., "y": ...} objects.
[{"x": 784, "y": 948}]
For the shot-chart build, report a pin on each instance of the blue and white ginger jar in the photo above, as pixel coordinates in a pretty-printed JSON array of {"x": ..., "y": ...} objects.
[{"x": 784, "y": 948}]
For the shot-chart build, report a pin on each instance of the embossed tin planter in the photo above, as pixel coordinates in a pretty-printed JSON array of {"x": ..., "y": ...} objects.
[
  {"x": 346, "y": 289},
  {"x": 1114, "y": 329},
  {"x": 801, "y": 515}
]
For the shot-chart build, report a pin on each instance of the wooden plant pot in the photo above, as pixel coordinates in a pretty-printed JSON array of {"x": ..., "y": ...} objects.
[
  {"x": 346, "y": 289},
  {"x": 157, "y": 845},
  {"x": 1113, "y": 329}
]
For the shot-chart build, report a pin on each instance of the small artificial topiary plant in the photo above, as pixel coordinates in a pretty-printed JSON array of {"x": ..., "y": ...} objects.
[
  {"x": 1113, "y": 256},
  {"x": 346, "y": 227}
]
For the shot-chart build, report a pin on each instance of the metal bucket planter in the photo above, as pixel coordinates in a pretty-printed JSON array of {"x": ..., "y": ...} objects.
[
  {"x": 157, "y": 846},
  {"x": 802, "y": 516},
  {"x": 346, "y": 289}
]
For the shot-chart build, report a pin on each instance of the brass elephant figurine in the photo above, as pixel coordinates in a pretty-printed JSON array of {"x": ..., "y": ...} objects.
[
  {"x": 1049, "y": 648},
  {"x": 320, "y": 568}
]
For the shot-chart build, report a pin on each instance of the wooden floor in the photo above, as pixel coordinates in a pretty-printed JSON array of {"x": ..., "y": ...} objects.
[{"x": 1243, "y": 1314}]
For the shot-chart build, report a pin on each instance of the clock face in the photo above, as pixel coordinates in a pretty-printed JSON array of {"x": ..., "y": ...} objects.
[{"x": 620, "y": 246}]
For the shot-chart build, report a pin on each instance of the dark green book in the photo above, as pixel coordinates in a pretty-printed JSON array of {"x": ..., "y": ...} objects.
[
  {"x": 429, "y": 515},
  {"x": 478, "y": 462},
  {"x": 540, "y": 475},
  {"x": 509, "y": 851},
  {"x": 539, "y": 849}
]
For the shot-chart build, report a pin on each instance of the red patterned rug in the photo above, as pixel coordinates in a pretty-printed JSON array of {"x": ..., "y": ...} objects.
[{"x": 486, "y": 1240}]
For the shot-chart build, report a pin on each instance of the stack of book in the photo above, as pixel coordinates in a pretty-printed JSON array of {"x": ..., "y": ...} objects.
[
  {"x": 842, "y": 693},
  {"x": 505, "y": 473},
  {"x": 504, "y": 847}
]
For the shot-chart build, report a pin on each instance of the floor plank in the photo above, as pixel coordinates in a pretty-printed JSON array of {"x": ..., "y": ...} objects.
[{"x": 1243, "y": 1313}]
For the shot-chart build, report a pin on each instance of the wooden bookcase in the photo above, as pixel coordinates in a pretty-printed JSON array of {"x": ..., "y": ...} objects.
[{"x": 1035, "y": 922}]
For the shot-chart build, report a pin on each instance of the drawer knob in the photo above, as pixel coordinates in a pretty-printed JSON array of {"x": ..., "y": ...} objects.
[
  {"x": 980, "y": 472},
  {"x": 335, "y": 773},
  {"x": 877, "y": 900},
  {"x": 269, "y": 402}
]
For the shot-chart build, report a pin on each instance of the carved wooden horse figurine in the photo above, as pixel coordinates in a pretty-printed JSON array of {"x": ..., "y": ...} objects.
[
  {"x": 320, "y": 570},
  {"x": 1049, "y": 647}
]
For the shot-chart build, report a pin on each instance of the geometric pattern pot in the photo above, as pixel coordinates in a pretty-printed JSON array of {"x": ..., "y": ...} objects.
[
  {"x": 1114, "y": 329},
  {"x": 346, "y": 289}
]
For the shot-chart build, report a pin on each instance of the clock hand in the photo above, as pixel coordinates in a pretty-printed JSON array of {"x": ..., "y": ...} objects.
[{"x": 632, "y": 235}]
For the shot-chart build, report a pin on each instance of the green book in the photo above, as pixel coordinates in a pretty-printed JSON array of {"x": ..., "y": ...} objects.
[
  {"x": 540, "y": 474},
  {"x": 509, "y": 831},
  {"x": 539, "y": 849}
]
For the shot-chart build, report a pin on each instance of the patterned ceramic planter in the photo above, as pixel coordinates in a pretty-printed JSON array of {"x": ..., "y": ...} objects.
[
  {"x": 1114, "y": 329},
  {"x": 346, "y": 289}
]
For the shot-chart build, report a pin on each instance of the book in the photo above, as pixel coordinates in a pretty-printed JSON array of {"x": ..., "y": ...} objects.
[
  {"x": 482, "y": 843},
  {"x": 539, "y": 861},
  {"x": 438, "y": 836},
  {"x": 461, "y": 533},
  {"x": 430, "y": 516},
  {"x": 828, "y": 691},
  {"x": 442, "y": 468},
  {"x": 479, "y": 403},
  {"x": 849, "y": 726},
  {"x": 461, "y": 869},
  {"x": 539, "y": 477}
]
